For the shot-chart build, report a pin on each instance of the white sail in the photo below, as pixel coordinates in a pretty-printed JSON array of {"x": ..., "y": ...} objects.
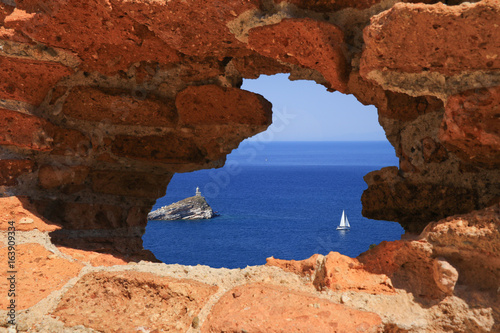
[{"x": 344, "y": 222}]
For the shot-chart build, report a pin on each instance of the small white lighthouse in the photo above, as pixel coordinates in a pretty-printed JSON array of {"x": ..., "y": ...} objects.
[{"x": 198, "y": 193}]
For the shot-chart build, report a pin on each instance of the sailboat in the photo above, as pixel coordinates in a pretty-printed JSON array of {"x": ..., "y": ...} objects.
[{"x": 344, "y": 223}]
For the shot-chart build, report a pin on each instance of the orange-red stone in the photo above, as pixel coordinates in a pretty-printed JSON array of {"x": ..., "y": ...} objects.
[
  {"x": 10, "y": 170},
  {"x": 416, "y": 38},
  {"x": 119, "y": 106},
  {"x": 471, "y": 126},
  {"x": 267, "y": 308},
  {"x": 24, "y": 214},
  {"x": 305, "y": 42},
  {"x": 344, "y": 273},
  {"x": 214, "y": 105},
  {"x": 125, "y": 301},
  {"x": 173, "y": 22},
  {"x": 105, "y": 38},
  {"x": 130, "y": 183},
  {"x": 27, "y": 131},
  {"x": 29, "y": 80},
  {"x": 39, "y": 273},
  {"x": 169, "y": 148},
  {"x": 51, "y": 176},
  {"x": 301, "y": 267}
]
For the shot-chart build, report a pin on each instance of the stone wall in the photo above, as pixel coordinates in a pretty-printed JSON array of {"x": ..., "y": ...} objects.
[{"x": 102, "y": 101}]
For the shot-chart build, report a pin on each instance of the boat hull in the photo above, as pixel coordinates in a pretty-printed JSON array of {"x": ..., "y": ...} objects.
[{"x": 343, "y": 228}]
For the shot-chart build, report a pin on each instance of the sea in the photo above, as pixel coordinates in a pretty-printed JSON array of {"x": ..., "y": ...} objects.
[{"x": 280, "y": 199}]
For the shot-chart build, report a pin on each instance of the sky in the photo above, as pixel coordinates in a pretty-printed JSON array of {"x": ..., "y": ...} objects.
[{"x": 306, "y": 111}]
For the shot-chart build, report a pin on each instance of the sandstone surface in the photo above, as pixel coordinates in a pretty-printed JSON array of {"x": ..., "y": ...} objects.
[{"x": 102, "y": 102}]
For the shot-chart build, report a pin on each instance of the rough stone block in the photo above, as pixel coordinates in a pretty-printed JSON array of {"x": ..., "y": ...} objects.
[
  {"x": 51, "y": 176},
  {"x": 24, "y": 130},
  {"x": 456, "y": 37},
  {"x": 130, "y": 183},
  {"x": 27, "y": 131},
  {"x": 29, "y": 80},
  {"x": 39, "y": 273},
  {"x": 214, "y": 105},
  {"x": 210, "y": 37},
  {"x": 125, "y": 301},
  {"x": 10, "y": 170},
  {"x": 119, "y": 106},
  {"x": 344, "y": 273},
  {"x": 306, "y": 267},
  {"x": 169, "y": 148},
  {"x": 267, "y": 308},
  {"x": 409, "y": 264},
  {"x": 107, "y": 41},
  {"x": 252, "y": 66},
  {"x": 470, "y": 243},
  {"x": 296, "y": 40},
  {"x": 413, "y": 204},
  {"x": 82, "y": 216},
  {"x": 471, "y": 126}
]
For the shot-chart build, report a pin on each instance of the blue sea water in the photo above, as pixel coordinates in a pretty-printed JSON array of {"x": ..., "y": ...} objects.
[{"x": 281, "y": 199}]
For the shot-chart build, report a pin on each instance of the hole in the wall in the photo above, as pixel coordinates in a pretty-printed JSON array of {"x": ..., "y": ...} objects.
[{"x": 282, "y": 192}]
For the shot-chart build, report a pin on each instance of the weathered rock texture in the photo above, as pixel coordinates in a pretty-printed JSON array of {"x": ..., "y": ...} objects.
[
  {"x": 101, "y": 102},
  {"x": 192, "y": 208}
]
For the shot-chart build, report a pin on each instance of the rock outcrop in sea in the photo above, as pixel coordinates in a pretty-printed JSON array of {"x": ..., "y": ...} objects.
[{"x": 192, "y": 208}]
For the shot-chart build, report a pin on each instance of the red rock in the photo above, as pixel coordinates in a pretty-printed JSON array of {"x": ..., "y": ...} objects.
[
  {"x": 330, "y": 5},
  {"x": 125, "y": 301},
  {"x": 5, "y": 10},
  {"x": 409, "y": 265},
  {"x": 108, "y": 40},
  {"x": 299, "y": 267},
  {"x": 211, "y": 36},
  {"x": 295, "y": 41},
  {"x": 337, "y": 272},
  {"x": 39, "y": 273},
  {"x": 118, "y": 106},
  {"x": 392, "y": 105},
  {"x": 50, "y": 176},
  {"x": 24, "y": 214},
  {"x": 169, "y": 148},
  {"x": 433, "y": 151},
  {"x": 252, "y": 66},
  {"x": 130, "y": 183},
  {"x": 413, "y": 204},
  {"x": 82, "y": 216},
  {"x": 394, "y": 39},
  {"x": 23, "y": 130},
  {"x": 9, "y": 34},
  {"x": 29, "y": 80},
  {"x": 344, "y": 273},
  {"x": 213, "y": 105},
  {"x": 10, "y": 170},
  {"x": 27, "y": 131},
  {"x": 470, "y": 243},
  {"x": 267, "y": 308},
  {"x": 471, "y": 126}
]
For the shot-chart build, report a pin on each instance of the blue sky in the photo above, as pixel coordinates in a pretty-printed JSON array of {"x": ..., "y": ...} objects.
[{"x": 306, "y": 111}]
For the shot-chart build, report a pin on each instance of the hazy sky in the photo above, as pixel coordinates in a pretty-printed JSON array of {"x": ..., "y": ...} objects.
[{"x": 305, "y": 111}]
